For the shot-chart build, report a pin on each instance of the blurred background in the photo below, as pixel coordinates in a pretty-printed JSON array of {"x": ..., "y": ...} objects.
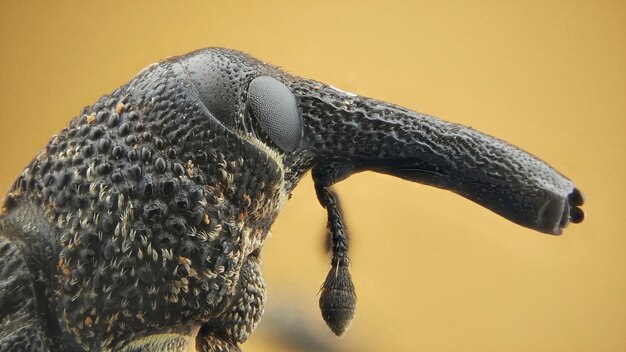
[{"x": 433, "y": 271}]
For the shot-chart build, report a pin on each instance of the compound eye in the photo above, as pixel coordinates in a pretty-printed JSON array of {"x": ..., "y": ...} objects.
[{"x": 276, "y": 110}]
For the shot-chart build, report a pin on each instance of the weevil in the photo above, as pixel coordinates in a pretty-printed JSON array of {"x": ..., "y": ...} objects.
[{"x": 139, "y": 226}]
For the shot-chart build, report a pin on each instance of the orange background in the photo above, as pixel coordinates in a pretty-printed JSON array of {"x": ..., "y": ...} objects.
[{"x": 433, "y": 271}]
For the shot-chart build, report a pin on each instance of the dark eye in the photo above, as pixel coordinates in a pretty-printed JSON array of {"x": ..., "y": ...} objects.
[{"x": 276, "y": 110}]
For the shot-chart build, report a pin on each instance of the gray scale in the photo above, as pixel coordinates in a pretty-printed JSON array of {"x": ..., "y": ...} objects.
[{"x": 139, "y": 227}]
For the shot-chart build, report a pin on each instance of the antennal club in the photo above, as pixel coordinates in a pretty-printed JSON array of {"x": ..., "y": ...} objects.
[{"x": 338, "y": 299}]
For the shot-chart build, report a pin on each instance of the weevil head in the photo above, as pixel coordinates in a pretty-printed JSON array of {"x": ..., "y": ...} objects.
[{"x": 308, "y": 123}]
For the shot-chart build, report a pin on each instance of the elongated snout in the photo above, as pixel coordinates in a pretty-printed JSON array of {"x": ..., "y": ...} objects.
[
  {"x": 326, "y": 125},
  {"x": 365, "y": 134}
]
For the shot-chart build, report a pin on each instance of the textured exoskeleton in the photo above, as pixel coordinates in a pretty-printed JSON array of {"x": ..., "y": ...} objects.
[{"x": 139, "y": 226}]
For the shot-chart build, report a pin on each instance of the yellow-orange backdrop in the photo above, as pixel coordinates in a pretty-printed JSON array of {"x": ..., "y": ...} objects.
[{"x": 434, "y": 272}]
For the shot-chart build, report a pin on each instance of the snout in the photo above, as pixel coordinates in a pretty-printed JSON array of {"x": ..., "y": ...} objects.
[{"x": 373, "y": 135}]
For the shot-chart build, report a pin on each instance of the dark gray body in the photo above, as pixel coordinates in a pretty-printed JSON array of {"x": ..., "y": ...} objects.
[{"x": 139, "y": 226}]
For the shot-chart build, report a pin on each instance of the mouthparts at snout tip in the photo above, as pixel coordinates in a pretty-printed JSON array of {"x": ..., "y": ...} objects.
[{"x": 565, "y": 211}]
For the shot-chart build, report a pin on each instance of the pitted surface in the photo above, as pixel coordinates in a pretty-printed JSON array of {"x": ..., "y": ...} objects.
[
  {"x": 19, "y": 325},
  {"x": 480, "y": 167},
  {"x": 154, "y": 217},
  {"x": 140, "y": 225}
]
